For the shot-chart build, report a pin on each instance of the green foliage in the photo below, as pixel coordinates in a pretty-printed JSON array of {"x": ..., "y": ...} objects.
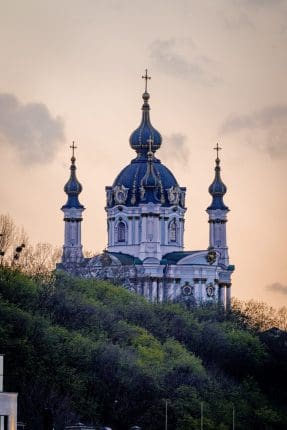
[{"x": 94, "y": 352}]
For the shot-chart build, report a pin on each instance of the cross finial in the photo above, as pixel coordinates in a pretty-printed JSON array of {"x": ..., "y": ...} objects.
[
  {"x": 150, "y": 142},
  {"x": 73, "y": 147},
  {"x": 217, "y": 149},
  {"x": 146, "y": 77}
]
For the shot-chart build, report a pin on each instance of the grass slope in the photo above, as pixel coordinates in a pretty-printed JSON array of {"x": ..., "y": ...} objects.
[{"x": 94, "y": 352}]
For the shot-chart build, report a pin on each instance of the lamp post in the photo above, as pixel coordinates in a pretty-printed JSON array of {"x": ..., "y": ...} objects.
[
  {"x": 201, "y": 416},
  {"x": 1, "y": 387},
  {"x": 1, "y": 372}
]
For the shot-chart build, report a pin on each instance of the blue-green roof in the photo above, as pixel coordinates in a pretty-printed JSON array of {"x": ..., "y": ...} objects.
[
  {"x": 126, "y": 259},
  {"x": 174, "y": 257}
]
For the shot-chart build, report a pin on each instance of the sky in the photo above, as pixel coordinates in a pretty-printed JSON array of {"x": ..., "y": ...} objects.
[{"x": 71, "y": 70}]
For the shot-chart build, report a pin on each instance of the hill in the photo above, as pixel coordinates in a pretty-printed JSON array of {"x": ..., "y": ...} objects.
[{"x": 94, "y": 352}]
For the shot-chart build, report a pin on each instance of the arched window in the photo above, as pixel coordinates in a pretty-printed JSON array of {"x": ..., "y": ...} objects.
[
  {"x": 172, "y": 231},
  {"x": 121, "y": 232}
]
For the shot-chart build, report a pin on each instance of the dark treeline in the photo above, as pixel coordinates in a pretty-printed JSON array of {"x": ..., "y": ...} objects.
[{"x": 93, "y": 352}]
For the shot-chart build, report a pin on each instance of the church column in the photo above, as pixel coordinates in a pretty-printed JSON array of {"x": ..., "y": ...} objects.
[
  {"x": 144, "y": 229},
  {"x": 228, "y": 297},
  {"x": 136, "y": 224},
  {"x": 130, "y": 230},
  {"x": 181, "y": 224},
  {"x": 160, "y": 292},
  {"x": 167, "y": 287},
  {"x": 222, "y": 295},
  {"x": 146, "y": 289},
  {"x": 154, "y": 290},
  {"x": 166, "y": 230}
]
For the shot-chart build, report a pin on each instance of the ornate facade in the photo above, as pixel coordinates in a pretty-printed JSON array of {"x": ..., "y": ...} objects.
[{"x": 145, "y": 227}]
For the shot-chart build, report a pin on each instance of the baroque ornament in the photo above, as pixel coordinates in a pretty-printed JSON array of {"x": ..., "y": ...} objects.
[
  {"x": 173, "y": 194},
  {"x": 210, "y": 290},
  {"x": 187, "y": 290},
  {"x": 211, "y": 257},
  {"x": 120, "y": 194}
]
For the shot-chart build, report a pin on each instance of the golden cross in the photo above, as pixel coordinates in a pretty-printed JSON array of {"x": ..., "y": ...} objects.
[
  {"x": 217, "y": 149},
  {"x": 146, "y": 77},
  {"x": 73, "y": 147}
]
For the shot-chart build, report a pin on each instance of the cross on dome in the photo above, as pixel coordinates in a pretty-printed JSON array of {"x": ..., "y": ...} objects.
[
  {"x": 146, "y": 77},
  {"x": 139, "y": 139},
  {"x": 217, "y": 149},
  {"x": 73, "y": 147}
]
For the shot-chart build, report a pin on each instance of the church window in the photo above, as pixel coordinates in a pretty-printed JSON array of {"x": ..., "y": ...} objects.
[
  {"x": 121, "y": 232},
  {"x": 173, "y": 231}
]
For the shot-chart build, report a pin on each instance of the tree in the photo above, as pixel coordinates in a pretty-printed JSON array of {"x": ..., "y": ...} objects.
[
  {"x": 259, "y": 315},
  {"x": 15, "y": 251}
]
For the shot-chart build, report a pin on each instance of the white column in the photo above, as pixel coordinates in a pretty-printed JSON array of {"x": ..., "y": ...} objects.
[
  {"x": 130, "y": 230},
  {"x": 198, "y": 291},
  {"x": 174, "y": 290},
  {"x": 166, "y": 220},
  {"x": 146, "y": 289},
  {"x": 160, "y": 291},
  {"x": 181, "y": 223},
  {"x": 228, "y": 297},
  {"x": 154, "y": 290},
  {"x": 136, "y": 224},
  {"x": 144, "y": 236},
  {"x": 222, "y": 295}
]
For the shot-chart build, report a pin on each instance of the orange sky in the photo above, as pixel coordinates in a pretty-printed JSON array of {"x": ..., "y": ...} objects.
[{"x": 71, "y": 70}]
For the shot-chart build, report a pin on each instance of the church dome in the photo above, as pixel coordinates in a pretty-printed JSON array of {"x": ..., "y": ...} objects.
[
  {"x": 73, "y": 188},
  {"x": 139, "y": 139},
  {"x": 217, "y": 189},
  {"x": 133, "y": 180},
  {"x": 145, "y": 179}
]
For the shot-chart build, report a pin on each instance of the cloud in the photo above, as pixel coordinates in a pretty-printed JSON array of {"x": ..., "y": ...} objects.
[
  {"x": 266, "y": 129},
  {"x": 174, "y": 149},
  {"x": 277, "y": 288},
  {"x": 29, "y": 129},
  {"x": 165, "y": 56},
  {"x": 236, "y": 20}
]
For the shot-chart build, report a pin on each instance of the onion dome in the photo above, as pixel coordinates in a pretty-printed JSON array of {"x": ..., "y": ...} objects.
[
  {"x": 73, "y": 187},
  {"x": 143, "y": 175},
  {"x": 217, "y": 189},
  {"x": 140, "y": 137},
  {"x": 145, "y": 179}
]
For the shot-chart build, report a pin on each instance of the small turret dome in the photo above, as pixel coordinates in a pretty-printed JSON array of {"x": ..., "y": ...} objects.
[
  {"x": 217, "y": 189},
  {"x": 73, "y": 188}
]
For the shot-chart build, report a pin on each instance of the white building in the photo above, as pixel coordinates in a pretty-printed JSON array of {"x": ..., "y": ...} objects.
[
  {"x": 8, "y": 404},
  {"x": 145, "y": 228}
]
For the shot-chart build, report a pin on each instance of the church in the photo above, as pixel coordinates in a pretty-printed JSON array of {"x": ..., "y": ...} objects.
[{"x": 145, "y": 209}]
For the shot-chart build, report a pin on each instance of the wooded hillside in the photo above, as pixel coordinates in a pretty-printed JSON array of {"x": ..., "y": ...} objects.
[{"x": 94, "y": 352}]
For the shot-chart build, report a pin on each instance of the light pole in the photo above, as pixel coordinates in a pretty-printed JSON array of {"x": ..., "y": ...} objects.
[
  {"x": 201, "y": 416},
  {"x": 165, "y": 414}
]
